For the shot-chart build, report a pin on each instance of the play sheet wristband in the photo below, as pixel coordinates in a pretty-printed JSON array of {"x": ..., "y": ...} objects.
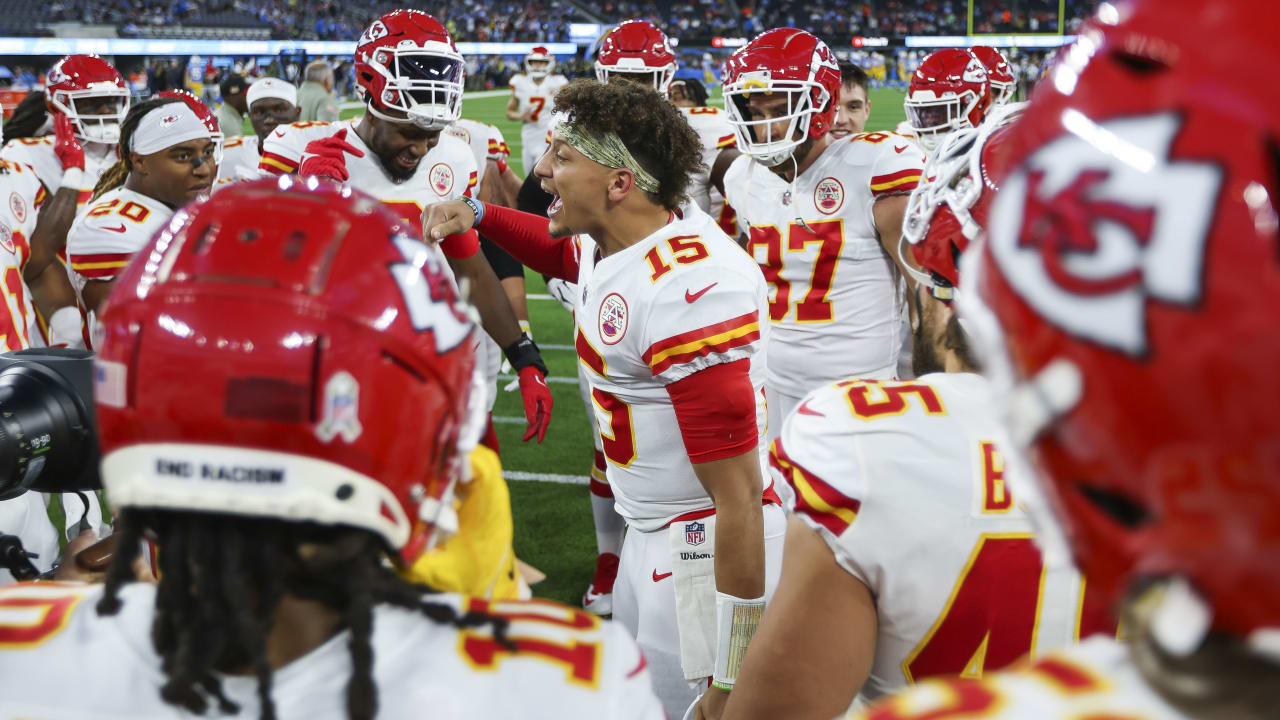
[{"x": 736, "y": 621}]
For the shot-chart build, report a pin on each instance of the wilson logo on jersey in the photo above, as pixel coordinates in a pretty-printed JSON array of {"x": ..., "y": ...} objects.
[
  {"x": 1102, "y": 218},
  {"x": 828, "y": 196},
  {"x": 441, "y": 179},
  {"x": 613, "y": 319}
]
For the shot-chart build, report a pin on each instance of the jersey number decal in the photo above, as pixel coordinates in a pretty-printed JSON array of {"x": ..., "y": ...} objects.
[
  {"x": 130, "y": 210},
  {"x": 828, "y": 235},
  {"x": 870, "y": 399},
  {"x": 538, "y": 103},
  {"x": 581, "y": 660},
  {"x": 618, "y": 435},
  {"x": 685, "y": 249},
  {"x": 27, "y": 621},
  {"x": 993, "y": 614},
  {"x": 871, "y": 137}
]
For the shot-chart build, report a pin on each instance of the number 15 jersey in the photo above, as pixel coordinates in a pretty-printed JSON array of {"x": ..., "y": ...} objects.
[{"x": 836, "y": 303}]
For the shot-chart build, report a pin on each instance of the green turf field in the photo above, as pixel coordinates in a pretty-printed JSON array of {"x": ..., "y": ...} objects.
[{"x": 553, "y": 520}]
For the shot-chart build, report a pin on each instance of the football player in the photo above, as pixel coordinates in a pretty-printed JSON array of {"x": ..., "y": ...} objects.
[
  {"x": 821, "y": 216},
  {"x": 855, "y": 106},
  {"x": 411, "y": 78},
  {"x": 669, "y": 325},
  {"x": 172, "y": 159},
  {"x": 271, "y": 102},
  {"x": 532, "y": 92},
  {"x": 962, "y": 589},
  {"x": 1004, "y": 84},
  {"x": 1130, "y": 258},
  {"x": 87, "y": 99},
  {"x": 315, "y": 455},
  {"x": 949, "y": 91}
]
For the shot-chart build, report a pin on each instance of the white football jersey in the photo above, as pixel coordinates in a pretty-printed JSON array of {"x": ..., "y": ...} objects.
[
  {"x": 715, "y": 134},
  {"x": 836, "y": 302},
  {"x": 905, "y": 483},
  {"x": 1095, "y": 679},
  {"x": 22, "y": 196},
  {"x": 39, "y": 155},
  {"x": 446, "y": 172},
  {"x": 683, "y": 299},
  {"x": 240, "y": 160},
  {"x": 484, "y": 140},
  {"x": 569, "y": 663},
  {"x": 539, "y": 98}
]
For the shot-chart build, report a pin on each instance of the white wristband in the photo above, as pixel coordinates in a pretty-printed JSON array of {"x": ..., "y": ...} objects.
[
  {"x": 736, "y": 621},
  {"x": 64, "y": 327},
  {"x": 72, "y": 178}
]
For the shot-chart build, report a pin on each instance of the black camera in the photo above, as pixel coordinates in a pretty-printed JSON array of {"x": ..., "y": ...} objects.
[{"x": 48, "y": 426}]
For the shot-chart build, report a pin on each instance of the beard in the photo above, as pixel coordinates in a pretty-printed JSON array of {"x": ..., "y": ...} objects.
[{"x": 930, "y": 345}]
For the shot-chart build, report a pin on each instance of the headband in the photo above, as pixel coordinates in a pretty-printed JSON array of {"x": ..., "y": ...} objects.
[
  {"x": 166, "y": 126},
  {"x": 269, "y": 87},
  {"x": 608, "y": 150}
]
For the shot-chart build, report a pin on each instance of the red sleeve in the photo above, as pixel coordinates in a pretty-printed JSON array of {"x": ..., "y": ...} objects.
[
  {"x": 716, "y": 410},
  {"x": 461, "y": 246},
  {"x": 525, "y": 236}
]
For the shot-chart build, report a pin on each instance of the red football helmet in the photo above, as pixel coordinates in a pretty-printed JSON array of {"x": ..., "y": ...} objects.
[
  {"x": 287, "y": 349},
  {"x": 949, "y": 91},
  {"x": 203, "y": 112},
  {"x": 406, "y": 61},
  {"x": 797, "y": 67},
  {"x": 1003, "y": 82},
  {"x": 79, "y": 83},
  {"x": 539, "y": 63},
  {"x": 635, "y": 48},
  {"x": 1132, "y": 263}
]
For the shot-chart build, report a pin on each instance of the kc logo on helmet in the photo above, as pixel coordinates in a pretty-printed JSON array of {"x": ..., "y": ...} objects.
[
  {"x": 1100, "y": 219},
  {"x": 373, "y": 32}
]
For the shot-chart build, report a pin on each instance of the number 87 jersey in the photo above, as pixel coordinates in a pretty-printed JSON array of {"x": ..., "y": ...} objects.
[{"x": 835, "y": 299}]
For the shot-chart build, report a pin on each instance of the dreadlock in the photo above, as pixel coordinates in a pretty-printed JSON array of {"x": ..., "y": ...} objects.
[
  {"x": 115, "y": 175},
  {"x": 28, "y": 117},
  {"x": 222, "y": 578}
]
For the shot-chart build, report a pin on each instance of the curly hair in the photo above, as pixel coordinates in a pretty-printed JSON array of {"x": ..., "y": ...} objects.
[
  {"x": 28, "y": 117},
  {"x": 653, "y": 130},
  {"x": 221, "y": 581}
]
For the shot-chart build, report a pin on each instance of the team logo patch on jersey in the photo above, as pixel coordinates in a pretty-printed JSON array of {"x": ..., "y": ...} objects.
[
  {"x": 1088, "y": 232},
  {"x": 341, "y": 411},
  {"x": 695, "y": 533},
  {"x": 441, "y": 179},
  {"x": 6, "y": 238},
  {"x": 613, "y": 319},
  {"x": 18, "y": 207},
  {"x": 460, "y": 133},
  {"x": 828, "y": 196}
]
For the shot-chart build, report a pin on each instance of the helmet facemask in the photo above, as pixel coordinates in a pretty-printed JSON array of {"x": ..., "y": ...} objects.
[
  {"x": 1002, "y": 92},
  {"x": 634, "y": 69},
  {"x": 539, "y": 67},
  {"x": 425, "y": 84},
  {"x": 104, "y": 128},
  {"x": 932, "y": 119},
  {"x": 756, "y": 136}
]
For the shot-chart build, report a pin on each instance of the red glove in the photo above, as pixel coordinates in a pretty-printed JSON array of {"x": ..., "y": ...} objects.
[
  {"x": 537, "y": 402},
  {"x": 328, "y": 158},
  {"x": 66, "y": 144}
]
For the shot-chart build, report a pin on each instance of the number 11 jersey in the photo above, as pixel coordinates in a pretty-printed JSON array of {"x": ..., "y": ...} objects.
[{"x": 835, "y": 298}]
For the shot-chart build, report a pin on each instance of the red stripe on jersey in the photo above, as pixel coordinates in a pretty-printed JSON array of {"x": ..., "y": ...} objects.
[
  {"x": 720, "y": 337},
  {"x": 814, "y": 498},
  {"x": 588, "y": 354},
  {"x": 276, "y": 164},
  {"x": 471, "y": 182},
  {"x": 727, "y": 141},
  {"x": 600, "y": 489},
  {"x": 41, "y": 196},
  {"x": 898, "y": 182},
  {"x": 83, "y": 197}
]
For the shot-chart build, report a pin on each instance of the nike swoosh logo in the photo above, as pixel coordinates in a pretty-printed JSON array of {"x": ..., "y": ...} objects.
[
  {"x": 663, "y": 576},
  {"x": 804, "y": 409},
  {"x": 900, "y": 149},
  {"x": 116, "y": 229},
  {"x": 691, "y": 297}
]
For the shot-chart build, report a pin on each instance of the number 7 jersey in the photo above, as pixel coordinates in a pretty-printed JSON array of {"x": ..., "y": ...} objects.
[
  {"x": 906, "y": 485},
  {"x": 836, "y": 301}
]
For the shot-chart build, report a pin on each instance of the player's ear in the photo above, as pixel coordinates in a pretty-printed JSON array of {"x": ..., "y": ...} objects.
[
  {"x": 297, "y": 113},
  {"x": 621, "y": 182},
  {"x": 137, "y": 163}
]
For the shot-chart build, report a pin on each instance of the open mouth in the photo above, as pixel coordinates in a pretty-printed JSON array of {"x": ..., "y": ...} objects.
[
  {"x": 838, "y": 133},
  {"x": 555, "y": 207},
  {"x": 407, "y": 160}
]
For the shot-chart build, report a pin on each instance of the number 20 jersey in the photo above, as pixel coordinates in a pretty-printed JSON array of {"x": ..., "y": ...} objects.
[
  {"x": 682, "y": 300},
  {"x": 836, "y": 303},
  {"x": 905, "y": 483}
]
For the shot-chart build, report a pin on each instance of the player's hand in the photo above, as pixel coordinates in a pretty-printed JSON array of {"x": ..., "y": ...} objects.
[
  {"x": 711, "y": 705},
  {"x": 562, "y": 291},
  {"x": 446, "y": 218},
  {"x": 537, "y": 402},
  {"x": 65, "y": 143},
  {"x": 328, "y": 157}
]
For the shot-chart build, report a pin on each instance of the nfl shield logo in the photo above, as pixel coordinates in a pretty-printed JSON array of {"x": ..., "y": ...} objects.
[{"x": 695, "y": 533}]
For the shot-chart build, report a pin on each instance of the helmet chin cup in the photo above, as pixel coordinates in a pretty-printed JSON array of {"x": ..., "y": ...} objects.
[
  {"x": 107, "y": 133},
  {"x": 431, "y": 117}
]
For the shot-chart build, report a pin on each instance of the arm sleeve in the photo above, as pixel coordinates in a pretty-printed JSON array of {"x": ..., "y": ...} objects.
[
  {"x": 525, "y": 236},
  {"x": 716, "y": 410}
]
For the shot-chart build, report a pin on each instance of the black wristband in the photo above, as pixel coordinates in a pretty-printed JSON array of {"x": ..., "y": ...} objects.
[{"x": 524, "y": 353}]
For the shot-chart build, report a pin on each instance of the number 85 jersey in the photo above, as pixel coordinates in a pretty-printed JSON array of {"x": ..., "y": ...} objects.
[
  {"x": 906, "y": 485},
  {"x": 835, "y": 304}
]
